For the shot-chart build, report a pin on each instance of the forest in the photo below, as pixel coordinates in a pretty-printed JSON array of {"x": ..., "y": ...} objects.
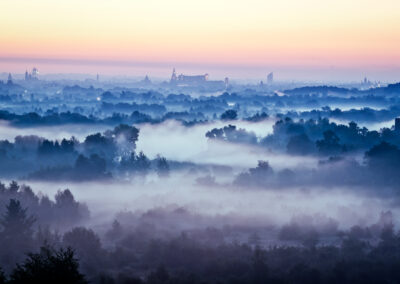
[{"x": 104, "y": 182}]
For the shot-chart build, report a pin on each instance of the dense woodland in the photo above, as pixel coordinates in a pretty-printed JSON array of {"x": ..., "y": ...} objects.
[
  {"x": 57, "y": 238},
  {"x": 32, "y": 251}
]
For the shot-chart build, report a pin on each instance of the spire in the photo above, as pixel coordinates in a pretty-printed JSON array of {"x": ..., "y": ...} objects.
[
  {"x": 9, "y": 80},
  {"x": 173, "y": 77}
]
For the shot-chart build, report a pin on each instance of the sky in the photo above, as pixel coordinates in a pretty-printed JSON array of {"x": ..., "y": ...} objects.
[{"x": 246, "y": 38}]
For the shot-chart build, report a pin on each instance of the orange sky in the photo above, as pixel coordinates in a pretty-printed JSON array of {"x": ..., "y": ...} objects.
[{"x": 306, "y": 33}]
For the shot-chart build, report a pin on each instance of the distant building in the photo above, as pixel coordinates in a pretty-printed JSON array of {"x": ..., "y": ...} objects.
[
  {"x": 226, "y": 81},
  {"x": 397, "y": 125},
  {"x": 33, "y": 75},
  {"x": 193, "y": 78},
  {"x": 270, "y": 78},
  {"x": 366, "y": 81},
  {"x": 146, "y": 80},
  {"x": 174, "y": 78},
  {"x": 197, "y": 80},
  {"x": 97, "y": 78},
  {"x": 9, "y": 79},
  {"x": 35, "y": 72},
  {"x": 188, "y": 79}
]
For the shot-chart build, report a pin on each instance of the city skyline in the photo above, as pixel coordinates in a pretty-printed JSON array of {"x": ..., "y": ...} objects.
[{"x": 300, "y": 39}]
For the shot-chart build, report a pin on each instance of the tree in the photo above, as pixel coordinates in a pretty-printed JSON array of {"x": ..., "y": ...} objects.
[
  {"x": 130, "y": 133},
  {"x": 383, "y": 156},
  {"x": 257, "y": 176},
  {"x": 16, "y": 236},
  {"x": 68, "y": 209},
  {"x": 330, "y": 143},
  {"x": 85, "y": 241},
  {"x": 93, "y": 167},
  {"x": 262, "y": 170},
  {"x": 48, "y": 147},
  {"x": 15, "y": 222},
  {"x": 88, "y": 248},
  {"x": 115, "y": 232},
  {"x": 230, "y": 114},
  {"x": 136, "y": 163},
  {"x": 49, "y": 266},
  {"x": 162, "y": 167},
  {"x": 124, "y": 138},
  {"x": 67, "y": 146},
  {"x": 13, "y": 187},
  {"x": 2, "y": 277},
  {"x": 383, "y": 161},
  {"x": 216, "y": 133},
  {"x": 101, "y": 145},
  {"x": 158, "y": 276},
  {"x": 232, "y": 134},
  {"x": 260, "y": 268},
  {"x": 300, "y": 145}
]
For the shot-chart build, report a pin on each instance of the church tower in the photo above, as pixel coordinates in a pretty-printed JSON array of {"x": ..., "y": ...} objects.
[
  {"x": 174, "y": 78},
  {"x": 9, "y": 79}
]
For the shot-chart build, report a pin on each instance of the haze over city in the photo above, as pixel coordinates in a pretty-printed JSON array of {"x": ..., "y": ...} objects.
[{"x": 304, "y": 40}]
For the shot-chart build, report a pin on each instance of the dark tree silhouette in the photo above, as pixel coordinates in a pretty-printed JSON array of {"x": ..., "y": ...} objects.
[
  {"x": 16, "y": 236},
  {"x": 159, "y": 276},
  {"x": 330, "y": 143},
  {"x": 162, "y": 167},
  {"x": 230, "y": 114},
  {"x": 88, "y": 248},
  {"x": 16, "y": 223},
  {"x": 260, "y": 269},
  {"x": 2, "y": 277},
  {"x": 130, "y": 133},
  {"x": 232, "y": 134},
  {"x": 300, "y": 145},
  {"x": 93, "y": 167},
  {"x": 49, "y": 266},
  {"x": 136, "y": 163},
  {"x": 13, "y": 187},
  {"x": 258, "y": 176}
]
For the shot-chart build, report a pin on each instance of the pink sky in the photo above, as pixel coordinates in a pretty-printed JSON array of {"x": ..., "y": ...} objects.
[{"x": 300, "y": 39}]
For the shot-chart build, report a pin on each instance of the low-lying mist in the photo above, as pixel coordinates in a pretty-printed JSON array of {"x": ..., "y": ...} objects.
[
  {"x": 189, "y": 144},
  {"x": 223, "y": 205},
  {"x": 230, "y": 186},
  {"x": 79, "y": 131}
]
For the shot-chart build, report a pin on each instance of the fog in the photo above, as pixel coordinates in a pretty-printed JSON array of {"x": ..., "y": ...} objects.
[
  {"x": 199, "y": 182},
  {"x": 189, "y": 144},
  {"x": 372, "y": 126},
  {"x": 225, "y": 205},
  {"x": 50, "y": 132}
]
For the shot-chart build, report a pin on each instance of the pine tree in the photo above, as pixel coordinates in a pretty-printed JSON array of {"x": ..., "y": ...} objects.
[
  {"x": 49, "y": 266},
  {"x": 15, "y": 222}
]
